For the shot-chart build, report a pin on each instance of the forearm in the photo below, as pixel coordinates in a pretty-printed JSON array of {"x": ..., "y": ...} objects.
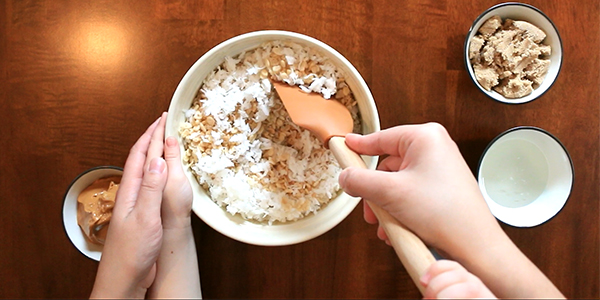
[
  {"x": 177, "y": 273},
  {"x": 505, "y": 270}
]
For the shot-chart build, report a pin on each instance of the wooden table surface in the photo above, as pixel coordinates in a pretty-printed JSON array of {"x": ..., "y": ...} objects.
[{"x": 81, "y": 80}]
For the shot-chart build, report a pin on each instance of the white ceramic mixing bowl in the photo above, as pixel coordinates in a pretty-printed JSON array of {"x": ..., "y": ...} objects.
[{"x": 235, "y": 226}]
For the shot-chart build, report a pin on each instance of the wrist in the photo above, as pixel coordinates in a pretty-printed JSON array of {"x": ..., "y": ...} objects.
[
  {"x": 487, "y": 244},
  {"x": 116, "y": 279},
  {"x": 177, "y": 242},
  {"x": 179, "y": 255},
  {"x": 177, "y": 235},
  {"x": 507, "y": 272},
  {"x": 177, "y": 223},
  {"x": 117, "y": 289}
]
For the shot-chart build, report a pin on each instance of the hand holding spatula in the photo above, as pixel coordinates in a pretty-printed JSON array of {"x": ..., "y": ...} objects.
[{"x": 330, "y": 121}]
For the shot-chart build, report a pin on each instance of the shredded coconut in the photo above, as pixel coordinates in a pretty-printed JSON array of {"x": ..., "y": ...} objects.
[{"x": 242, "y": 146}]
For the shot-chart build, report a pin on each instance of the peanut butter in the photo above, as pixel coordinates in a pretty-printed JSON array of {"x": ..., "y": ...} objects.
[{"x": 94, "y": 208}]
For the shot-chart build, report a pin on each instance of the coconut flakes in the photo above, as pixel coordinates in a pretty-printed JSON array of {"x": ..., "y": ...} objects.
[{"x": 242, "y": 146}]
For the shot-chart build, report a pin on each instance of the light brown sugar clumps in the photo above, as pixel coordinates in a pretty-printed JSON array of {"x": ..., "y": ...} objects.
[{"x": 509, "y": 57}]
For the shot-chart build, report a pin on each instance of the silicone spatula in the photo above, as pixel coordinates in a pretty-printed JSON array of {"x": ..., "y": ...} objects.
[{"x": 330, "y": 121}]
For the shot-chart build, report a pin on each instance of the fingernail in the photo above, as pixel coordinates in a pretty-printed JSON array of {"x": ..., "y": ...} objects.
[
  {"x": 157, "y": 165},
  {"x": 171, "y": 141},
  {"x": 425, "y": 279},
  {"x": 342, "y": 178}
]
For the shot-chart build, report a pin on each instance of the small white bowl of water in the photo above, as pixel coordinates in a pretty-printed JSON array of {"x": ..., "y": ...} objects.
[{"x": 526, "y": 176}]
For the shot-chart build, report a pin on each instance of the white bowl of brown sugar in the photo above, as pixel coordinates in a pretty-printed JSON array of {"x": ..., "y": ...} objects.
[
  {"x": 513, "y": 53},
  {"x": 257, "y": 177}
]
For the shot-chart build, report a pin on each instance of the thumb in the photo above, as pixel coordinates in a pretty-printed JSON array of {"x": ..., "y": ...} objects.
[
  {"x": 153, "y": 184},
  {"x": 172, "y": 156},
  {"x": 376, "y": 186}
]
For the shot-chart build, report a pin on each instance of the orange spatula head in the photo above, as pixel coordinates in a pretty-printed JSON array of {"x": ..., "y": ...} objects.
[{"x": 324, "y": 118}]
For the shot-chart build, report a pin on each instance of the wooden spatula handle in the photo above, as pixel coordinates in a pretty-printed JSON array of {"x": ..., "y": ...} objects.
[{"x": 412, "y": 252}]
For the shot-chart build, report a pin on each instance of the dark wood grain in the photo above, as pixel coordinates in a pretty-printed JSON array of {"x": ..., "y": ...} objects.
[{"x": 81, "y": 80}]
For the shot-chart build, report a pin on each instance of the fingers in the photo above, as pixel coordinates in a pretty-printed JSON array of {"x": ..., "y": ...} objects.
[
  {"x": 151, "y": 191},
  {"x": 134, "y": 171},
  {"x": 155, "y": 149},
  {"x": 390, "y": 141},
  {"x": 383, "y": 236},
  {"x": 178, "y": 195},
  {"x": 442, "y": 275},
  {"x": 437, "y": 268},
  {"x": 391, "y": 164},
  {"x": 172, "y": 156},
  {"x": 464, "y": 290},
  {"x": 368, "y": 214},
  {"x": 396, "y": 140},
  {"x": 448, "y": 279},
  {"x": 175, "y": 176},
  {"x": 372, "y": 219},
  {"x": 155, "y": 177},
  {"x": 378, "y": 187}
]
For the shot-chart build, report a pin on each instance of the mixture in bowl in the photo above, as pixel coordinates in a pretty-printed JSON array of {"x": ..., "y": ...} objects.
[{"x": 242, "y": 146}]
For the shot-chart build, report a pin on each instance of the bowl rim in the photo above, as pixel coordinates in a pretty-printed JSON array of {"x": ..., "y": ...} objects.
[
  {"x": 103, "y": 167},
  {"x": 328, "y": 51},
  {"x": 468, "y": 39},
  {"x": 553, "y": 137}
]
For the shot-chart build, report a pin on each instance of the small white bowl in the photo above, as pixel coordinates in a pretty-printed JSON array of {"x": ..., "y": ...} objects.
[
  {"x": 237, "y": 227},
  {"x": 526, "y": 176},
  {"x": 74, "y": 232},
  {"x": 520, "y": 12}
]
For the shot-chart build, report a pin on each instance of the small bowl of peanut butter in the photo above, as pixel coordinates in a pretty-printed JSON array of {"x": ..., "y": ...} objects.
[
  {"x": 87, "y": 208},
  {"x": 513, "y": 52}
]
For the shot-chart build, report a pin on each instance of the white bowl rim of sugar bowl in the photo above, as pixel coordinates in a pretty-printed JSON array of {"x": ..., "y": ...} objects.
[{"x": 533, "y": 15}]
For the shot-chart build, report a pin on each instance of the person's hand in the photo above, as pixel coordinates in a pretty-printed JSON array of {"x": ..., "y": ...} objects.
[
  {"x": 449, "y": 280},
  {"x": 424, "y": 182},
  {"x": 177, "y": 273},
  {"x": 177, "y": 201},
  {"x": 134, "y": 239}
]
